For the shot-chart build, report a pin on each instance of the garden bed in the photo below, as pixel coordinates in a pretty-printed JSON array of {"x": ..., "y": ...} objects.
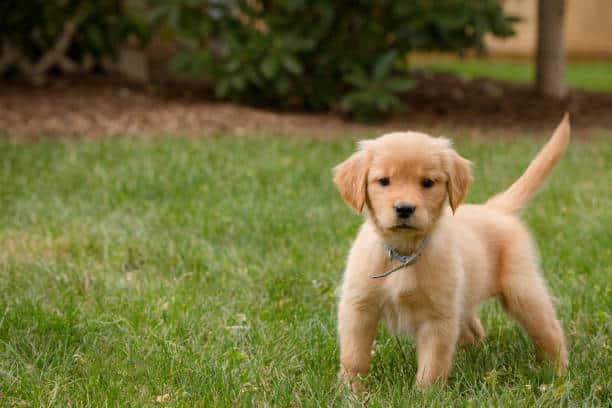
[{"x": 98, "y": 106}]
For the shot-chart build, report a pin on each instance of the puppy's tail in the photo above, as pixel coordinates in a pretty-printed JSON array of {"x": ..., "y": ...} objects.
[{"x": 516, "y": 197}]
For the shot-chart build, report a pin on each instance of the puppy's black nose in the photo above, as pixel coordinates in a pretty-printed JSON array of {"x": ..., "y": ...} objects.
[{"x": 404, "y": 210}]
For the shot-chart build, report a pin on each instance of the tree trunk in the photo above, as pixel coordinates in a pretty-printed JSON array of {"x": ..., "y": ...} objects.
[{"x": 550, "y": 69}]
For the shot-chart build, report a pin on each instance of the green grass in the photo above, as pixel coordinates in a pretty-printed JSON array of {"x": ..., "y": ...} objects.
[
  {"x": 594, "y": 76},
  {"x": 179, "y": 272}
]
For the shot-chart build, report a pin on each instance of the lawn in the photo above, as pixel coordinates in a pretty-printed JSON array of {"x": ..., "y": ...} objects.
[
  {"x": 177, "y": 272},
  {"x": 593, "y": 75}
]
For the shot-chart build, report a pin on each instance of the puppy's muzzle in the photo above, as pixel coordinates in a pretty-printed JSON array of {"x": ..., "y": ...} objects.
[{"x": 404, "y": 210}]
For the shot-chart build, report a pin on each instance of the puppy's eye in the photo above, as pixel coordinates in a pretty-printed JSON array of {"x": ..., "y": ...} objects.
[
  {"x": 427, "y": 183},
  {"x": 384, "y": 181}
]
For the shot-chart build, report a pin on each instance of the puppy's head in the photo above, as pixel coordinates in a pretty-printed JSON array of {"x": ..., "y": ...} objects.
[{"x": 404, "y": 179}]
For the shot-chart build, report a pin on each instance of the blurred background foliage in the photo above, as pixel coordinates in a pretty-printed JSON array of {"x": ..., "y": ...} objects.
[
  {"x": 341, "y": 55},
  {"x": 38, "y": 35}
]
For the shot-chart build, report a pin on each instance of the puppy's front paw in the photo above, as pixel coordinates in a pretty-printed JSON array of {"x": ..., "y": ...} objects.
[
  {"x": 352, "y": 380},
  {"x": 424, "y": 384}
]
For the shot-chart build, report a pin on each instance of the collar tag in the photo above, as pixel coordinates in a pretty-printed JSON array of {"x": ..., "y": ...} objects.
[{"x": 405, "y": 260}]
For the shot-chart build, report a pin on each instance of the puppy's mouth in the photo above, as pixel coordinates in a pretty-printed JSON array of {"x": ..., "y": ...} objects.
[{"x": 404, "y": 227}]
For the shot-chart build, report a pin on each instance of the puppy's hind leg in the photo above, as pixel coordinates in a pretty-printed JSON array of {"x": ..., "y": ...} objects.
[
  {"x": 525, "y": 297},
  {"x": 471, "y": 331}
]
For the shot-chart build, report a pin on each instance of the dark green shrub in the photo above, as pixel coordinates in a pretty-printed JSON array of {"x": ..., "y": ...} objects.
[
  {"x": 38, "y": 35},
  {"x": 319, "y": 54}
]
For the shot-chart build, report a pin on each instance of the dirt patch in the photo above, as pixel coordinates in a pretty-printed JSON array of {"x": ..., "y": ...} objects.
[
  {"x": 499, "y": 104},
  {"x": 96, "y": 107},
  {"x": 99, "y": 108}
]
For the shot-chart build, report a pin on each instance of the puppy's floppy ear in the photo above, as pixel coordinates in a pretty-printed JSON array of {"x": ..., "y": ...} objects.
[
  {"x": 350, "y": 177},
  {"x": 459, "y": 173}
]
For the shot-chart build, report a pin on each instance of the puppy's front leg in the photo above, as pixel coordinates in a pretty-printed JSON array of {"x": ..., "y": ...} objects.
[
  {"x": 357, "y": 321},
  {"x": 435, "y": 345}
]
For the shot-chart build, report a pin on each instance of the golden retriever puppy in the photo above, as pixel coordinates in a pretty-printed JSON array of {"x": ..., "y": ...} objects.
[{"x": 423, "y": 263}]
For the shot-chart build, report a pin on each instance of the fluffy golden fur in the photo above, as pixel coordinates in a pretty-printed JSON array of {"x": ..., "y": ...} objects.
[{"x": 474, "y": 252}]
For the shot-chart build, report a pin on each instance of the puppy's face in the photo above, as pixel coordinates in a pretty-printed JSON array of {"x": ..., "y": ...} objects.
[{"x": 404, "y": 179}]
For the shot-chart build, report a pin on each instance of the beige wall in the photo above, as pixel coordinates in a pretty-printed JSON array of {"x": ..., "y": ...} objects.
[{"x": 588, "y": 29}]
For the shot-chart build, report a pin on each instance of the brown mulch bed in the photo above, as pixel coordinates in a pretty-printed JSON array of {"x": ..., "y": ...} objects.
[
  {"x": 499, "y": 104},
  {"x": 94, "y": 107}
]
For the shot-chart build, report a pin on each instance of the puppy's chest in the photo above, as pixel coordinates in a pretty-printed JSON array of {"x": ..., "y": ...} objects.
[
  {"x": 404, "y": 303},
  {"x": 403, "y": 287}
]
